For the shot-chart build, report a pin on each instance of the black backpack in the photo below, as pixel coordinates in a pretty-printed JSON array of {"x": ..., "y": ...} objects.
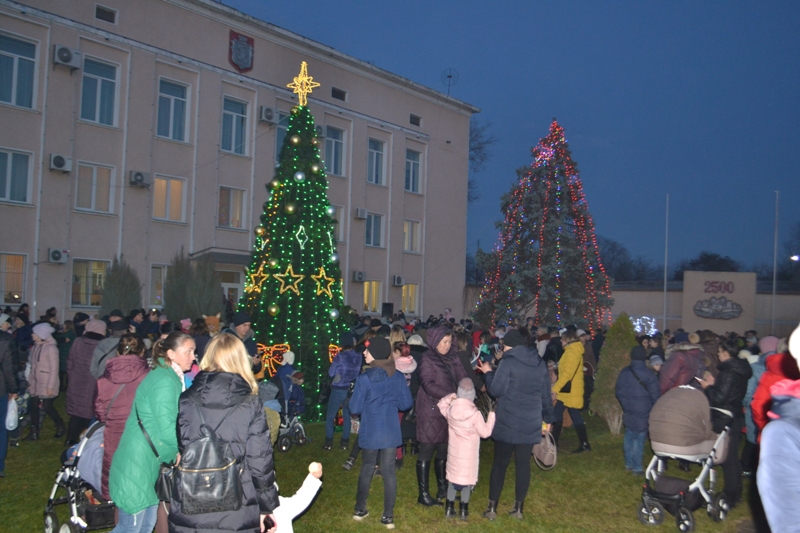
[{"x": 208, "y": 477}]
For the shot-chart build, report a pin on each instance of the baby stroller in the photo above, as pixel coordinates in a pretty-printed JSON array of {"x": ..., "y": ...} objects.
[
  {"x": 291, "y": 431},
  {"x": 87, "y": 511},
  {"x": 681, "y": 428}
]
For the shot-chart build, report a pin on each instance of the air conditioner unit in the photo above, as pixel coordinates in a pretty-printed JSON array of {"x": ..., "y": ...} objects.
[
  {"x": 63, "y": 55},
  {"x": 359, "y": 276},
  {"x": 320, "y": 131},
  {"x": 61, "y": 163},
  {"x": 361, "y": 213},
  {"x": 139, "y": 179},
  {"x": 55, "y": 255},
  {"x": 267, "y": 114},
  {"x": 398, "y": 281}
]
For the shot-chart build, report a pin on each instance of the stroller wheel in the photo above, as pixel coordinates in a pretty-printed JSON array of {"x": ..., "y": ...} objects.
[
  {"x": 69, "y": 527},
  {"x": 651, "y": 513},
  {"x": 684, "y": 520},
  {"x": 299, "y": 436},
  {"x": 719, "y": 507},
  {"x": 284, "y": 443},
  {"x": 50, "y": 522}
]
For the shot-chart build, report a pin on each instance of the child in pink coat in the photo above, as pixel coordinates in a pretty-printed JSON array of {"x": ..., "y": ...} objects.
[{"x": 466, "y": 427}]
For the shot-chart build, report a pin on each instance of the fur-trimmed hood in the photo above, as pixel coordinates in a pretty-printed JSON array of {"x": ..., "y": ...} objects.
[{"x": 682, "y": 347}]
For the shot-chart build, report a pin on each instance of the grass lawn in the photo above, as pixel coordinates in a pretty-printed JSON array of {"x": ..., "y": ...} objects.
[{"x": 584, "y": 493}]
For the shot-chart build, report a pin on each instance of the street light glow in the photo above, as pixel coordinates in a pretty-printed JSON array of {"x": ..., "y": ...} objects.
[{"x": 795, "y": 258}]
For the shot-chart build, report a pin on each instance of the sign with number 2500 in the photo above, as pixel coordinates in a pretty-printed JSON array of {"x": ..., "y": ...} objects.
[{"x": 718, "y": 287}]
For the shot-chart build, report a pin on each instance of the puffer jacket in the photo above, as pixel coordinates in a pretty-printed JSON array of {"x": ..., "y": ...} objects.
[
  {"x": 43, "y": 380},
  {"x": 779, "y": 366},
  {"x": 570, "y": 368},
  {"x": 684, "y": 362},
  {"x": 730, "y": 386},
  {"x": 8, "y": 383},
  {"x": 466, "y": 429},
  {"x": 380, "y": 393},
  {"x": 521, "y": 385},
  {"x": 123, "y": 374},
  {"x": 345, "y": 369},
  {"x": 246, "y": 430},
  {"x": 636, "y": 400},
  {"x": 81, "y": 384},
  {"x": 134, "y": 469}
]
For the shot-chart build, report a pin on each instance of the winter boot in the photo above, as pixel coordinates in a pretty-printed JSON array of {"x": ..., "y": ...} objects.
[
  {"x": 583, "y": 439},
  {"x": 491, "y": 511},
  {"x": 463, "y": 510},
  {"x": 328, "y": 445},
  {"x": 450, "y": 509},
  {"x": 555, "y": 430},
  {"x": 345, "y": 445},
  {"x": 440, "y": 469},
  {"x": 423, "y": 473},
  {"x": 34, "y": 433},
  {"x": 516, "y": 511}
]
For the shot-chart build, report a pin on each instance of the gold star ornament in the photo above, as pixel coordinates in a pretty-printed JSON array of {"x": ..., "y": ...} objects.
[
  {"x": 303, "y": 84},
  {"x": 285, "y": 278},
  {"x": 257, "y": 278},
  {"x": 323, "y": 279}
]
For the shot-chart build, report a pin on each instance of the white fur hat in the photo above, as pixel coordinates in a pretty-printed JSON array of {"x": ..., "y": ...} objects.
[{"x": 288, "y": 358}]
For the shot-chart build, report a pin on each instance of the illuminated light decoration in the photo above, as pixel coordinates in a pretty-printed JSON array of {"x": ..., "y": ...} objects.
[
  {"x": 275, "y": 184},
  {"x": 290, "y": 208},
  {"x": 303, "y": 85},
  {"x": 334, "y": 258},
  {"x": 321, "y": 278},
  {"x": 302, "y": 237},
  {"x": 289, "y": 285},
  {"x": 315, "y": 168},
  {"x": 257, "y": 279},
  {"x": 331, "y": 211},
  {"x": 299, "y": 176},
  {"x": 260, "y": 231},
  {"x": 272, "y": 356},
  {"x": 334, "y": 314},
  {"x": 546, "y": 261},
  {"x": 295, "y": 139},
  {"x": 333, "y": 350},
  {"x": 644, "y": 325},
  {"x": 273, "y": 263},
  {"x": 273, "y": 310}
]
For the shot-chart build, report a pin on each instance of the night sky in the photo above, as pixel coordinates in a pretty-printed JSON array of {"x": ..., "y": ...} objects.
[{"x": 696, "y": 99}]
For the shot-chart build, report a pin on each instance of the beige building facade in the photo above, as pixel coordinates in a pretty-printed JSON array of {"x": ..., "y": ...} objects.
[{"x": 135, "y": 129}]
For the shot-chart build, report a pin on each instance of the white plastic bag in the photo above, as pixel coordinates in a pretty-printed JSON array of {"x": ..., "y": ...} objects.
[{"x": 12, "y": 417}]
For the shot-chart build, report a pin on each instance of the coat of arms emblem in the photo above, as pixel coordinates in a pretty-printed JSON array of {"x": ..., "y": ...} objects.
[{"x": 240, "y": 53}]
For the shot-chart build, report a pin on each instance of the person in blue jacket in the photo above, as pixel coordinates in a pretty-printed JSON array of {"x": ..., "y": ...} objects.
[
  {"x": 343, "y": 372},
  {"x": 380, "y": 394},
  {"x": 637, "y": 391}
]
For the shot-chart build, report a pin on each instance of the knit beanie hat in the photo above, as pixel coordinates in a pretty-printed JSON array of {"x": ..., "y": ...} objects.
[
  {"x": 43, "y": 330},
  {"x": 379, "y": 347},
  {"x": 288, "y": 358},
  {"x": 681, "y": 336},
  {"x": 466, "y": 389},
  {"x": 513, "y": 338},
  {"x": 241, "y": 318},
  {"x": 656, "y": 360},
  {"x": 768, "y": 344},
  {"x": 638, "y": 353},
  {"x": 95, "y": 326}
]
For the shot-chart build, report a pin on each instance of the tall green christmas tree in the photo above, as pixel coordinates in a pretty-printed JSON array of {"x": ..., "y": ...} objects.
[
  {"x": 293, "y": 290},
  {"x": 546, "y": 263}
]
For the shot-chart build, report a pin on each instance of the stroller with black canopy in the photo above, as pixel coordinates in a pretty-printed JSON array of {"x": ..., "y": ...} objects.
[{"x": 681, "y": 428}]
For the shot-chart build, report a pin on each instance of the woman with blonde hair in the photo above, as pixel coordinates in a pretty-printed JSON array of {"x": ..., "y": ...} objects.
[
  {"x": 398, "y": 334},
  {"x": 224, "y": 397}
]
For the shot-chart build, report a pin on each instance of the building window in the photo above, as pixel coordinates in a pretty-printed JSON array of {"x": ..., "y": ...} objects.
[
  {"x": 409, "y": 298},
  {"x": 339, "y": 94},
  {"x": 374, "y": 230},
  {"x": 158, "y": 276},
  {"x": 372, "y": 296},
  {"x": 375, "y": 163},
  {"x": 232, "y": 286},
  {"x": 14, "y": 176},
  {"x": 234, "y": 126},
  {"x": 105, "y": 14},
  {"x": 17, "y": 65},
  {"x": 415, "y": 120},
  {"x": 12, "y": 278},
  {"x": 168, "y": 199},
  {"x": 172, "y": 110},
  {"x": 94, "y": 188},
  {"x": 412, "y": 171},
  {"x": 280, "y": 134},
  {"x": 88, "y": 278},
  {"x": 231, "y": 208},
  {"x": 338, "y": 223},
  {"x": 334, "y": 151},
  {"x": 410, "y": 236},
  {"x": 99, "y": 92}
]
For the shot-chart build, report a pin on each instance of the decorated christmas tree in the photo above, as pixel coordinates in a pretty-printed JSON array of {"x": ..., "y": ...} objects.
[
  {"x": 293, "y": 290},
  {"x": 546, "y": 262}
]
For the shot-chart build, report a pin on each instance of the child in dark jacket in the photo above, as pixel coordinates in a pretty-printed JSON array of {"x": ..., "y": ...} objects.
[
  {"x": 637, "y": 391},
  {"x": 343, "y": 372}
]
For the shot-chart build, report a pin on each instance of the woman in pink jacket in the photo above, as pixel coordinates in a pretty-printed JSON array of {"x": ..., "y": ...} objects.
[
  {"x": 466, "y": 428},
  {"x": 43, "y": 381}
]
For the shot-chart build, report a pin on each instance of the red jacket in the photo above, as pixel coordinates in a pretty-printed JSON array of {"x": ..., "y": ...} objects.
[{"x": 779, "y": 366}]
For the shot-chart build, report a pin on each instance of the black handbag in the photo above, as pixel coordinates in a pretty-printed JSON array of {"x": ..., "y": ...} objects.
[
  {"x": 208, "y": 478},
  {"x": 166, "y": 472},
  {"x": 566, "y": 389}
]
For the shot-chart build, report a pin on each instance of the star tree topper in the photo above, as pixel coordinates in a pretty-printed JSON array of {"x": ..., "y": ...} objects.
[{"x": 303, "y": 85}]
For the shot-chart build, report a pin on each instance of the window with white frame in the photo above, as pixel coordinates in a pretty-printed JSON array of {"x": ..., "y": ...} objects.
[
  {"x": 372, "y": 296},
  {"x": 98, "y": 98},
  {"x": 409, "y": 298},
  {"x": 231, "y": 208},
  {"x": 12, "y": 278},
  {"x": 334, "y": 151},
  {"x": 410, "y": 236},
  {"x": 172, "y": 110},
  {"x": 374, "y": 230},
  {"x": 338, "y": 224},
  {"x": 168, "y": 199},
  {"x": 94, "y": 188},
  {"x": 234, "y": 126},
  {"x": 158, "y": 276},
  {"x": 375, "y": 163},
  {"x": 14, "y": 174},
  {"x": 280, "y": 134},
  {"x": 17, "y": 67},
  {"x": 412, "y": 170},
  {"x": 88, "y": 278}
]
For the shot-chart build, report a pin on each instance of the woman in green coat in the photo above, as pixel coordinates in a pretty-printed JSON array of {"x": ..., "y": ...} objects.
[{"x": 135, "y": 467}]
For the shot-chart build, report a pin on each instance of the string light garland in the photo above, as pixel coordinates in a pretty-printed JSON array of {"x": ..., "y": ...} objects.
[{"x": 303, "y": 85}]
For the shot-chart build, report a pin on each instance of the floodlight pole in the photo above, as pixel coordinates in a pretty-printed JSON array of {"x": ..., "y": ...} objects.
[
  {"x": 666, "y": 256},
  {"x": 775, "y": 265}
]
